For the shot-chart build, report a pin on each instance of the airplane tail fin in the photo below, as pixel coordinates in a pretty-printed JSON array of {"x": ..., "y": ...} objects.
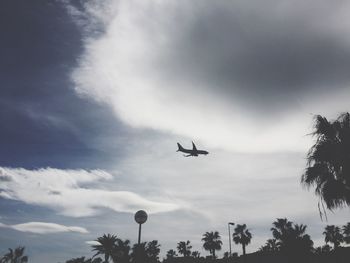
[{"x": 179, "y": 147}]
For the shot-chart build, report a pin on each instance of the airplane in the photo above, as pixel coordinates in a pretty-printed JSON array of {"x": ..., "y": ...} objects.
[{"x": 193, "y": 152}]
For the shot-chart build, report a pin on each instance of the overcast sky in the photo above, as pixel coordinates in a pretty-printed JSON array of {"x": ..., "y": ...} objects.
[{"x": 95, "y": 94}]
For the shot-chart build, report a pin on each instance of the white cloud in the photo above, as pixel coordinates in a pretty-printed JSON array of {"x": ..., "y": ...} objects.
[
  {"x": 73, "y": 192},
  {"x": 92, "y": 242},
  {"x": 44, "y": 228},
  {"x": 122, "y": 68}
]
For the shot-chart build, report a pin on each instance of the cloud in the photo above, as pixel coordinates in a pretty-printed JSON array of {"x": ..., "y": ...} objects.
[
  {"x": 92, "y": 242},
  {"x": 239, "y": 76},
  {"x": 44, "y": 228},
  {"x": 73, "y": 192}
]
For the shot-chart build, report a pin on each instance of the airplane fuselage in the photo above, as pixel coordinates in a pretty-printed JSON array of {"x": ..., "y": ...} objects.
[{"x": 191, "y": 152}]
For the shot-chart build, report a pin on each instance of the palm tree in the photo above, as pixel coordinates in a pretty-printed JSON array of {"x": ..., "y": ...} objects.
[
  {"x": 346, "y": 233},
  {"x": 106, "y": 247},
  {"x": 15, "y": 256},
  {"x": 271, "y": 245},
  {"x": 212, "y": 242},
  {"x": 300, "y": 241},
  {"x": 184, "y": 248},
  {"x": 333, "y": 235},
  {"x": 280, "y": 229},
  {"x": 328, "y": 167},
  {"x": 291, "y": 238},
  {"x": 242, "y": 236}
]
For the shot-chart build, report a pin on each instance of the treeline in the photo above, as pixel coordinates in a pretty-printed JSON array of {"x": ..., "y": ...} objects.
[{"x": 289, "y": 243}]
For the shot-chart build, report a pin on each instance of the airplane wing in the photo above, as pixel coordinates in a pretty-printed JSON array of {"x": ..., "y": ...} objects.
[{"x": 194, "y": 147}]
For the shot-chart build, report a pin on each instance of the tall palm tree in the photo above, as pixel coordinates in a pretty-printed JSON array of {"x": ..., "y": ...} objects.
[
  {"x": 346, "y": 233},
  {"x": 281, "y": 228},
  {"x": 106, "y": 247},
  {"x": 184, "y": 248},
  {"x": 328, "y": 167},
  {"x": 242, "y": 236},
  {"x": 300, "y": 241},
  {"x": 212, "y": 242},
  {"x": 15, "y": 256},
  {"x": 291, "y": 238},
  {"x": 333, "y": 235}
]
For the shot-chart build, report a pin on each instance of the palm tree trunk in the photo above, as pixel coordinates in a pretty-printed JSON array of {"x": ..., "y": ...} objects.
[
  {"x": 243, "y": 247},
  {"x": 213, "y": 253}
]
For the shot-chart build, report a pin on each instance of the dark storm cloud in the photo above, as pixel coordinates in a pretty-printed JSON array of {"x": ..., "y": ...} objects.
[
  {"x": 43, "y": 121},
  {"x": 264, "y": 54}
]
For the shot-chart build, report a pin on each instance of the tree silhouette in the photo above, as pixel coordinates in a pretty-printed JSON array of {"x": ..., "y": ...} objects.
[
  {"x": 184, "y": 248},
  {"x": 291, "y": 238},
  {"x": 170, "y": 255},
  {"x": 333, "y": 235},
  {"x": 139, "y": 252},
  {"x": 15, "y": 256},
  {"x": 322, "y": 250},
  {"x": 346, "y": 233},
  {"x": 107, "y": 246},
  {"x": 121, "y": 251},
  {"x": 82, "y": 260},
  {"x": 146, "y": 252},
  {"x": 242, "y": 236},
  {"x": 212, "y": 242},
  {"x": 280, "y": 229},
  {"x": 195, "y": 254},
  {"x": 152, "y": 251},
  {"x": 271, "y": 245},
  {"x": 328, "y": 167}
]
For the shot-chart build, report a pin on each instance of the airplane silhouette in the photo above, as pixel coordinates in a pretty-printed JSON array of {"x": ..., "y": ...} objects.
[{"x": 193, "y": 152}]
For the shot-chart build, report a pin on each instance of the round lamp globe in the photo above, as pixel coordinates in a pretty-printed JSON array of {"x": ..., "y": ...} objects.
[{"x": 141, "y": 217}]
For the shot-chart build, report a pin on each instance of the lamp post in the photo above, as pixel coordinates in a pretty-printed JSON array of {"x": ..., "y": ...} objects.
[
  {"x": 140, "y": 218},
  {"x": 229, "y": 235}
]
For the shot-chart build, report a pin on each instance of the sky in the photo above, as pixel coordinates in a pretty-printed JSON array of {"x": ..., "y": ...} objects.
[{"x": 95, "y": 95}]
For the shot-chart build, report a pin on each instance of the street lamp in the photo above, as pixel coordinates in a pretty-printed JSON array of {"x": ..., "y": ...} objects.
[
  {"x": 140, "y": 218},
  {"x": 229, "y": 235}
]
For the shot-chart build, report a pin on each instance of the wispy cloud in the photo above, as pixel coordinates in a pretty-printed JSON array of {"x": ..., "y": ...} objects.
[
  {"x": 73, "y": 192},
  {"x": 44, "y": 228},
  {"x": 92, "y": 242}
]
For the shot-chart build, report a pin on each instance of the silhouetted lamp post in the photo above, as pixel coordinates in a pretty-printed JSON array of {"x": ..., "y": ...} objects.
[
  {"x": 140, "y": 218},
  {"x": 229, "y": 235}
]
